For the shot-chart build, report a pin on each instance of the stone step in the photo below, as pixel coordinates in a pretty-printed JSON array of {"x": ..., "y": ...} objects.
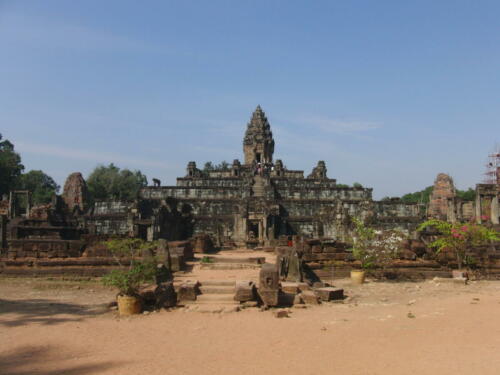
[
  {"x": 222, "y": 259},
  {"x": 213, "y": 308},
  {"x": 218, "y": 283},
  {"x": 217, "y": 289},
  {"x": 222, "y": 299},
  {"x": 229, "y": 266}
]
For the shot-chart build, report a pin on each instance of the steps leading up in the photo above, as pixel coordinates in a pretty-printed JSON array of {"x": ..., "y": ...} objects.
[
  {"x": 258, "y": 186},
  {"x": 229, "y": 266},
  {"x": 222, "y": 299},
  {"x": 216, "y": 275},
  {"x": 216, "y": 296},
  {"x": 217, "y": 262},
  {"x": 222, "y": 259},
  {"x": 217, "y": 289}
]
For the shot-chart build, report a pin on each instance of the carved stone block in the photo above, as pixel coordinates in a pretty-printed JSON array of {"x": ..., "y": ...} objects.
[
  {"x": 244, "y": 291},
  {"x": 330, "y": 294}
]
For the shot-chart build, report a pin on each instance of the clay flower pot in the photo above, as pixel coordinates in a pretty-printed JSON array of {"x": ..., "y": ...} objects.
[
  {"x": 128, "y": 305},
  {"x": 357, "y": 277}
]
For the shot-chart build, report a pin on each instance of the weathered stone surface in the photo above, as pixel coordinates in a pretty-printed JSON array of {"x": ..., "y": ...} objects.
[
  {"x": 177, "y": 262},
  {"x": 459, "y": 274},
  {"x": 244, "y": 291},
  {"x": 269, "y": 284},
  {"x": 165, "y": 295},
  {"x": 148, "y": 296},
  {"x": 163, "y": 253},
  {"x": 290, "y": 287},
  {"x": 202, "y": 244},
  {"x": 75, "y": 192},
  {"x": 442, "y": 191},
  {"x": 407, "y": 255},
  {"x": 183, "y": 248},
  {"x": 280, "y": 313},
  {"x": 303, "y": 286},
  {"x": 40, "y": 212},
  {"x": 163, "y": 274},
  {"x": 309, "y": 297},
  {"x": 188, "y": 292},
  {"x": 290, "y": 265},
  {"x": 286, "y": 299},
  {"x": 258, "y": 144},
  {"x": 297, "y": 300},
  {"x": 330, "y": 294},
  {"x": 249, "y": 304}
]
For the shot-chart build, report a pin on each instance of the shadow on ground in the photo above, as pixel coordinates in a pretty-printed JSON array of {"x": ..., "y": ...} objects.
[
  {"x": 43, "y": 311},
  {"x": 33, "y": 360}
]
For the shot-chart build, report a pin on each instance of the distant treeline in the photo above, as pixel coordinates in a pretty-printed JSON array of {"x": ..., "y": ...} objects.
[{"x": 423, "y": 196}]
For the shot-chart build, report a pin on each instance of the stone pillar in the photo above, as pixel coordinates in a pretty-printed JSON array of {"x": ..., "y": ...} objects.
[
  {"x": 494, "y": 210},
  {"x": 450, "y": 214},
  {"x": 478, "y": 208},
  {"x": 244, "y": 229},
  {"x": 264, "y": 229},
  {"x": 28, "y": 205},
  {"x": 3, "y": 232},
  {"x": 261, "y": 230},
  {"x": 150, "y": 233}
]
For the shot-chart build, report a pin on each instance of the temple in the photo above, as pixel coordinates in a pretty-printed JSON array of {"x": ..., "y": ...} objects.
[{"x": 256, "y": 202}]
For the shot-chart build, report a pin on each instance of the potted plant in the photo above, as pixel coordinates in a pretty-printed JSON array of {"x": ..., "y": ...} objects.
[
  {"x": 459, "y": 238},
  {"x": 373, "y": 248},
  {"x": 363, "y": 236},
  {"x": 134, "y": 270}
]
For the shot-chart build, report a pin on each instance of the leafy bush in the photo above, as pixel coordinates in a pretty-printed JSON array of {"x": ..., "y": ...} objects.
[
  {"x": 129, "y": 278},
  {"x": 375, "y": 248},
  {"x": 459, "y": 237}
]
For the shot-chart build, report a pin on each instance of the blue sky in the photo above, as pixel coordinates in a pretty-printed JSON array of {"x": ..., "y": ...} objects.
[{"x": 388, "y": 93}]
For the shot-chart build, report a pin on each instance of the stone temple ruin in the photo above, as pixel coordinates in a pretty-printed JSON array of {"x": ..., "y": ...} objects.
[{"x": 255, "y": 203}]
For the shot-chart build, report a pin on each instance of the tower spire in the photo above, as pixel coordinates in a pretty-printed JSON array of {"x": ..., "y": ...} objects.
[{"x": 258, "y": 144}]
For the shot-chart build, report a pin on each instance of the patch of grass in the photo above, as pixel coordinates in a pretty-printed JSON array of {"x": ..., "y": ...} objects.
[{"x": 206, "y": 259}]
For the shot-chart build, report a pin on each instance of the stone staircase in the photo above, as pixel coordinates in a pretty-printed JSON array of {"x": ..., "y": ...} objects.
[
  {"x": 215, "y": 296},
  {"x": 258, "y": 187},
  {"x": 216, "y": 276},
  {"x": 214, "y": 262}
]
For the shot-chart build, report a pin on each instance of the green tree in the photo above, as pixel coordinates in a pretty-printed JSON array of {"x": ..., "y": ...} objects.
[
  {"x": 421, "y": 196},
  {"x": 41, "y": 185},
  {"x": 111, "y": 182},
  {"x": 210, "y": 167},
  {"x": 10, "y": 166},
  {"x": 467, "y": 195}
]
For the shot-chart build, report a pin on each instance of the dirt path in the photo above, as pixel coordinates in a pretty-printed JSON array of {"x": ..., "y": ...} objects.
[{"x": 383, "y": 328}]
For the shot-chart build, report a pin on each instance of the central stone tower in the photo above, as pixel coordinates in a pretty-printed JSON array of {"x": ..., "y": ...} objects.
[{"x": 258, "y": 144}]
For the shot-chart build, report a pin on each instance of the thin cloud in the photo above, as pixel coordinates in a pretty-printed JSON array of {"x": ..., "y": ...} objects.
[
  {"x": 40, "y": 32},
  {"x": 89, "y": 155},
  {"x": 338, "y": 126}
]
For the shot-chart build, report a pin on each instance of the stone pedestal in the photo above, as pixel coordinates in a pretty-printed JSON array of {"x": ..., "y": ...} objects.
[{"x": 269, "y": 284}]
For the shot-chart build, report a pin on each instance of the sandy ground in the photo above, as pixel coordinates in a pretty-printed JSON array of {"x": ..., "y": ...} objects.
[{"x": 52, "y": 327}]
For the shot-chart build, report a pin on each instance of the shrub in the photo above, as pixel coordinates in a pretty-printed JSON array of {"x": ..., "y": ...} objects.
[
  {"x": 134, "y": 270},
  {"x": 459, "y": 237},
  {"x": 375, "y": 248}
]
